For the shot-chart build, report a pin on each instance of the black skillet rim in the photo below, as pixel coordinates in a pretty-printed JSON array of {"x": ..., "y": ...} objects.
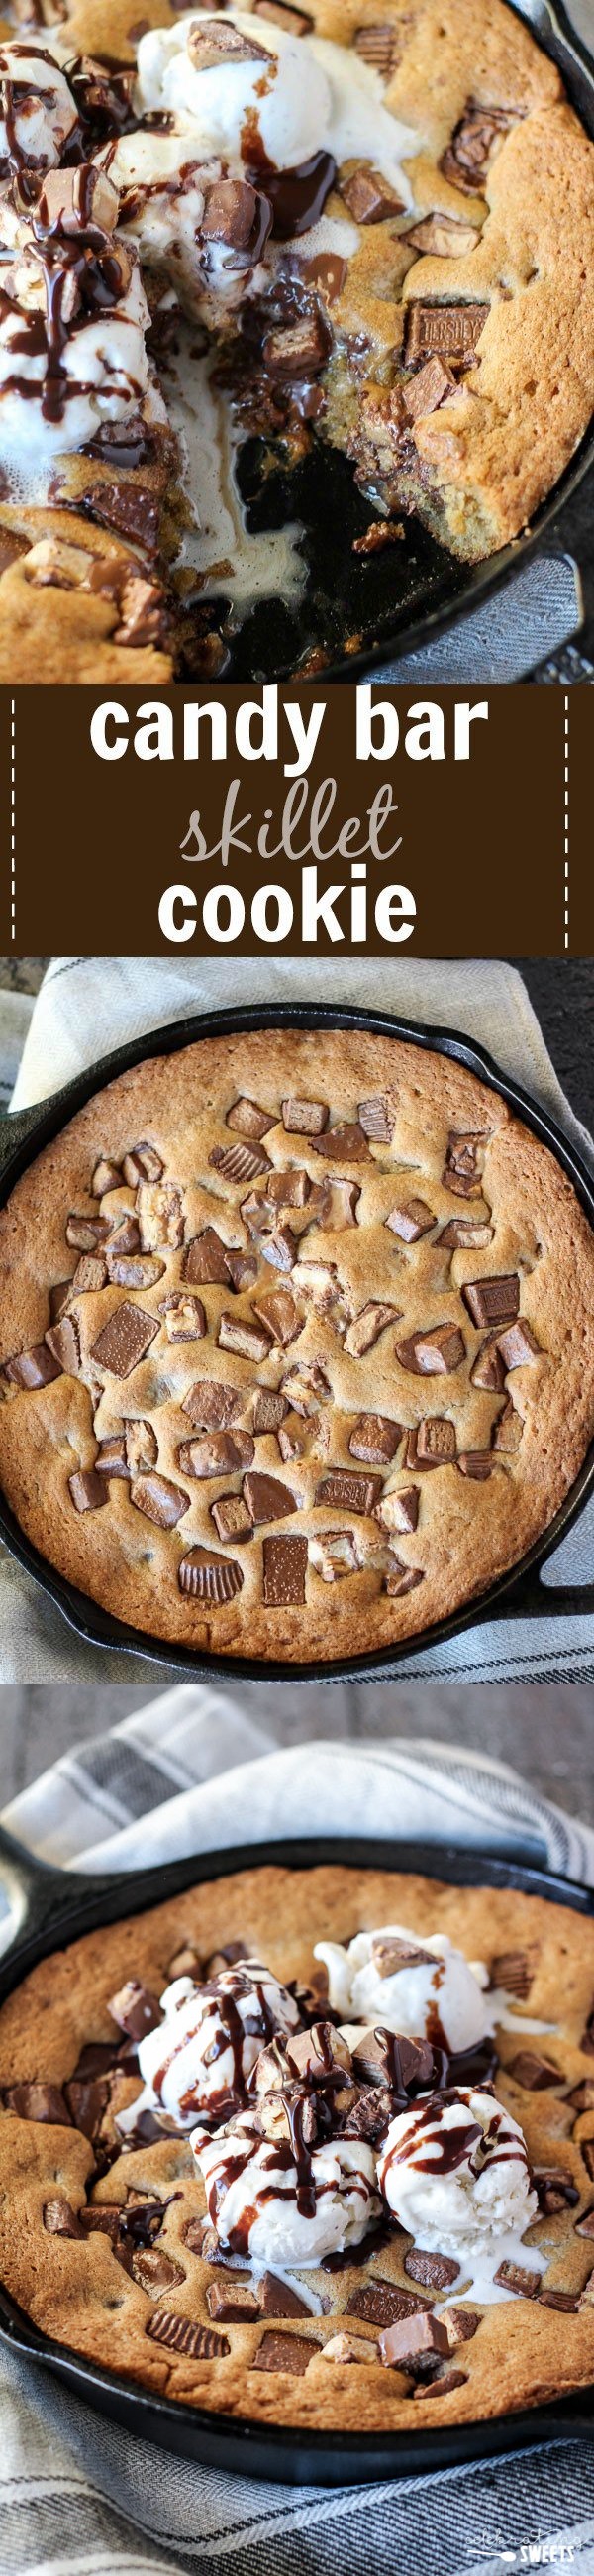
[
  {"x": 277, "y": 2452},
  {"x": 40, "y": 1125}
]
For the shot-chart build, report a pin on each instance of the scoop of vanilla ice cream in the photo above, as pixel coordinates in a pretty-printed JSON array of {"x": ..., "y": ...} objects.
[
  {"x": 308, "y": 95},
  {"x": 253, "y": 2197},
  {"x": 208, "y": 2042},
  {"x": 43, "y": 113},
  {"x": 443, "y": 1995},
  {"x": 164, "y": 192},
  {"x": 454, "y": 2171},
  {"x": 104, "y": 369}
]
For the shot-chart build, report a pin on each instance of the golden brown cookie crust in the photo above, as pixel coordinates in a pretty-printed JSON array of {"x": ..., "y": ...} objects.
[
  {"x": 468, "y": 1532},
  {"x": 523, "y": 2354}
]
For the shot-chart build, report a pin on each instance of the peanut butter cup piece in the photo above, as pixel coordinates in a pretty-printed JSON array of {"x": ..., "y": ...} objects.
[
  {"x": 154, "y": 2269},
  {"x": 555, "y": 2189},
  {"x": 431, "y": 386},
  {"x": 306, "y": 1387},
  {"x": 135, "y": 2009},
  {"x": 59, "y": 2219},
  {"x": 143, "y": 1163},
  {"x": 44, "y": 2102},
  {"x": 208, "y": 1577},
  {"x": 290, "y": 1189},
  {"x": 369, "y": 197},
  {"x": 123, "y": 1341},
  {"x": 441, "y": 236},
  {"x": 461, "y": 1234},
  {"x": 534, "y": 2073},
  {"x": 281, "y": 14},
  {"x": 132, "y": 1270},
  {"x": 266, "y": 1497},
  {"x": 347, "y": 1144},
  {"x": 159, "y": 1500},
  {"x": 280, "y": 1248},
  {"x": 443, "y": 2385},
  {"x": 367, "y": 1326},
  {"x": 239, "y": 1163},
  {"x": 334, "y": 1553},
  {"x": 243, "y": 1268},
  {"x": 517, "y": 1346},
  {"x": 377, "y": 1116},
  {"x": 212, "y": 1406},
  {"x": 250, "y": 1341},
  {"x": 515, "y": 1971},
  {"x": 435, "y": 1353},
  {"x": 205, "y": 1260},
  {"x": 282, "y": 1318},
  {"x": 375, "y": 1439},
  {"x": 33, "y": 1368},
  {"x": 111, "y": 1458},
  {"x": 184, "y": 1316},
  {"x": 460, "y": 2325},
  {"x": 106, "y": 1176},
  {"x": 180, "y": 2334},
  {"x": 285, "y": 2352},
  {"x": 377, "y": 44},
  {"x": 399, "y": 1511},
  {"x": 212, "y": 42},
  {"x": 465, "y": 161},
  {"x": 488, "y": 1369},
  {"x": 83, "y": 1233},
  {"x": 63, "y": 1340},
  {"x": 461, "y": 1172},
  {"x": 285, "y": 1569},
  {"x": 246, "y": 1116},
  {"x": 160, "y": 1213},
  {"x": 304, "y": 1117},
  {"x": 217, "y": 1454},
  {"x": 343, "y": 1491},
  {"x": 88, "y": 1490},
  {"x": 141, "y": 1446},
  {"x": 585, "y": 2225},
  {"x": 507, "y": 1432},
  {"x": 402, "y": 1578},
  {"x": 410, "y": 1220}
]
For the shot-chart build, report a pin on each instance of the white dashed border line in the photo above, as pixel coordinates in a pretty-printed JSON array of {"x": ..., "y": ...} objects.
[{"x": 566, "y": 825}]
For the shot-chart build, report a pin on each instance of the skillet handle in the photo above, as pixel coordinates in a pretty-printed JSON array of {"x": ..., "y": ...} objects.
[
  {"x": 530, "y": 1598},
  {"x": 39, "y": 1896}
]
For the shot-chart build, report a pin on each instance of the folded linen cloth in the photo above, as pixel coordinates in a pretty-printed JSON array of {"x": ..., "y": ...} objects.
[
  {"x": 82, "y": 2497},
  {"x": 89, "y": 1005}
]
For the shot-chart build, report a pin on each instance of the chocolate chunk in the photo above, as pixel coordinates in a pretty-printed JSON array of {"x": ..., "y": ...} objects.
[
  {"x": 38, "y": 2102},
  {"x": 87, "y": 2099},
  {"x": 285, "y": 1568},
  {"x": 59, "y": 1300},
  {"x": 343, "y": 1491},
  {"x": 318, "y": 2053},
  {"x": 585, "y": 2225},
  {"x": 493, "y": 1301},
  {"x": 154, "y": 2269},
  {"x": 533, "y": 2073},
  {"x": 267, "y": 1498},
  {"x": 447, "y": 331},
  {"x": 280, "y": 1249},
  {"x": 460, "y": 2325},
  {"x": 133, "y": 1270},
  {"x": 135, "y": 2009},
  {"x": 125, "y": 1234},
  {"x": 63, "y": 1340},
  {"x": 512, "y": 2276},
  {"x": 211, "y": 42},
  {"x": 185, "y": 1319},
  {"x": 443, "y": 2385},
  {"x": 216, "y": 1455},
  {"x": 212, "y": 1406},
  {"x": 280, "y": 1315},
  {"x": 208, "y": 1577},
  {"x": 562, "y": 2299},
  {"x": 375, "y": 1439},
  {"x": 123, "y": 1341},
  {"x": 377, "y": 45},
  {"x": 461, "y": 1235},
  {"x": 466, "y": 159},
  {"x": 435, "y": 1353},
  {"x": 461, "y": 1169},
  {"x": 33, "y": 1368},
  {"x": 514, "y": 1970},
  {"x": 392, "y": 1951},
  {"x": 587, "y": 2041},
  {"x": 269, "y": 1410},
  {"x": 582, "y": 2099},
  {"x": 399, "y": 1511},
  {"x": 276, "y": 2299},
  {"x": 402, "y": 1578},
  {"x": 587, "y": 2148},
  {"x": 430, "y": 387},
  {"x": 306, "y": 1387},
  {"x": 555, "y": 2189},
  {"x": 142, "y": 1164},
  {"x": 88, "y": 1490},
  {"x": 517, "y": 1346},
  {"x": 282, "y": 15},
  {"x": 104, "y": 2220},
  {"x": 441, "y": 236},
  {"x": 231, "y": 1518},
  {"x": 83, "y": 1233},
  {"x": 410, "y": 1220},
  {"x": 378, "y": 2303},
  {"x": 413, "y": 2342},
  {"x": 476, "y": 1463},
  {"x": 251, "y": 1341},
  {"x": 334, "y": 1553},
  {"x": 434, "y": 2271},
  {"x": 305, "y": 1117},
  {"x": 159, "y": 1500},
  {"x": 239, "y": 1163},
  {"x": 180, "y": 2334},
  {"x": 290, "y": 1189},
  {"x": 246, "y": 1115},
  {"x": 299, "y": 349},
  {"x": 205, "y": 1260},
  {"x": 346, "y": 1144},
  {"x": 59, "y": 2219},
  {"x": 90, "y": 1276},
  {"x": 243, "y": 1269},
  {"x": 369, "y": 197},
  {"x": 232, "y": 2307},
  {"x": 106, "y": 1176},
  {"x": 367, "y": 1326},
  {"x": 284, "y": 2352},
  {"x": 488, "y": 1368}
]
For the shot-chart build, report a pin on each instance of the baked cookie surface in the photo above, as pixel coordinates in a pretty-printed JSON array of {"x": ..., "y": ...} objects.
[
  {"x": 69, "y": 2198},
  {"x": 442, "y": 338},
  {"x": 297, "y": 1344}
]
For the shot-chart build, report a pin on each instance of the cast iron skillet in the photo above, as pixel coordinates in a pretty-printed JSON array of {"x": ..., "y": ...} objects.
[
  {"x": 397, "y": 601},
  {"x": 520, "y": 1590},
  {"x": 54, "y": 1907}
]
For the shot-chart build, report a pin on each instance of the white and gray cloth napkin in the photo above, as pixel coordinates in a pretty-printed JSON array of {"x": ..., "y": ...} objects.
[
  {"x": 81, "y": 2497},
  {"x": 89, "y": 1005}
]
